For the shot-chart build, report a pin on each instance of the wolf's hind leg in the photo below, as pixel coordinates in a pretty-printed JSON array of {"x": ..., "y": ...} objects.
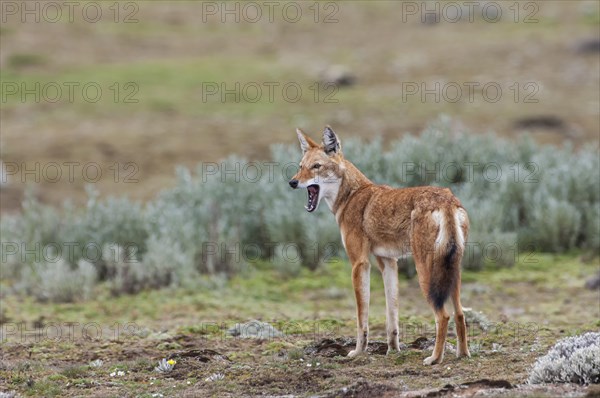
[{"x": 462, "y": 348}]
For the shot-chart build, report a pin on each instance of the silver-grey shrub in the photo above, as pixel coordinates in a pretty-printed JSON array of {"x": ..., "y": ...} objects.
[
  {"x": 62, "y": 282},
  {"x": 572, "y": 360},
  {"x": 533, "y": 197},
  {"x": 112, "y": 221},
  {"x": 125, "y": 273}
]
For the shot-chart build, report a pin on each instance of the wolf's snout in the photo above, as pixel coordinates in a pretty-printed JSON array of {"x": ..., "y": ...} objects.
[{"x": 294, "y": 184}]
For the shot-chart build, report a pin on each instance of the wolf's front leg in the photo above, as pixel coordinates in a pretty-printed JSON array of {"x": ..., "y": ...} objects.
[
  {"x": 361, "y": 282},
  {"x": 390, "y": 283}
]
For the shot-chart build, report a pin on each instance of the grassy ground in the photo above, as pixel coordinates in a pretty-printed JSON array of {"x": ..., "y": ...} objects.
[
  {"x": 528, "y": 308},
  {"x": 170, "y": 52}
]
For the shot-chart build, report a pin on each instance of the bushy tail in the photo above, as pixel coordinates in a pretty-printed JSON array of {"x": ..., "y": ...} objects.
[{"x": 448, "y": 251}]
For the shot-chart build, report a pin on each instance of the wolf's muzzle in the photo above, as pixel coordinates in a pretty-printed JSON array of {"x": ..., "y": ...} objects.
[{"x": 294, "y": 184}]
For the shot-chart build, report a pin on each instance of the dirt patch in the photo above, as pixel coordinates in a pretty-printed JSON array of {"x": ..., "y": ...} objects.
[
  {"x": 502, "y": 388},
  {"x": 471, "y": 388},
  {"x": 341, "y": 346},
  {"x": 363, "y": 389},
  {"x": 204, "y": 355}
]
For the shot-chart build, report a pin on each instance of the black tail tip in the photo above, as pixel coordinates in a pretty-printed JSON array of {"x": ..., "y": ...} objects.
[{"x": 438, "y": 299}]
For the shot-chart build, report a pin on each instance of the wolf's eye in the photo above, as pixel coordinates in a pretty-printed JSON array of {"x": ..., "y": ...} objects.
[{"x": 316, "y": 166}]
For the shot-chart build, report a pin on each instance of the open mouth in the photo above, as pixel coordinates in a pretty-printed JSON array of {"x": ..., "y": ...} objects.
[{"x": 313, "y": 198}]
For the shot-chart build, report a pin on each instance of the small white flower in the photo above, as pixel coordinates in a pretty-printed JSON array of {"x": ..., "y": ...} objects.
[
  {"x": 318, "y": 363},
  {"x": 189, "y": 382},
  {"x": 120, "y": 373},
  {"x": 96, "y": 364},
  {"x": 113, "y": 374},
  {"x": 308, "y": 365}
]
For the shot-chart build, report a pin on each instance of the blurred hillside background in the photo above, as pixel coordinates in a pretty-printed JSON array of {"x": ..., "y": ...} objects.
[{"x": 156, "y": 62}]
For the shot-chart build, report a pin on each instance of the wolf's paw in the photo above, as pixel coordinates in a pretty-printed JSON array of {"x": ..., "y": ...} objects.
[
  {"x": 354, "y": 353},
  {"x": 432, "y": 360},
  {"x": 392, "y": 350},
  {"x": 461, "y": 354}
]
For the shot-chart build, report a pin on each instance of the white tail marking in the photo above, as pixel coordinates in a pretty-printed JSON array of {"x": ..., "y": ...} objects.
[
  {"x": 459, "y": 220},
  {"x": 438, "y": 217}
]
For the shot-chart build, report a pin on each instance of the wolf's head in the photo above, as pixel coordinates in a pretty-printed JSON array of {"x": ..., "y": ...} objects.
[{"x": 321, "y": 168}]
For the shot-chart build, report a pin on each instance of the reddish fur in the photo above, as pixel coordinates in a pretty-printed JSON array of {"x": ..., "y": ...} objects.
[{"x": 372, "y": 216}]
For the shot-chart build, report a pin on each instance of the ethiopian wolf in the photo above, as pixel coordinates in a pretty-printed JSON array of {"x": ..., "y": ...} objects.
[{"x": 428, "y": 222}]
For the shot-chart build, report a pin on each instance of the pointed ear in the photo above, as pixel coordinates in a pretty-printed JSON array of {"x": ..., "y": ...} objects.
[
  {"x": 331, "y": 143},
  {"x": 305, "y": 142}
]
